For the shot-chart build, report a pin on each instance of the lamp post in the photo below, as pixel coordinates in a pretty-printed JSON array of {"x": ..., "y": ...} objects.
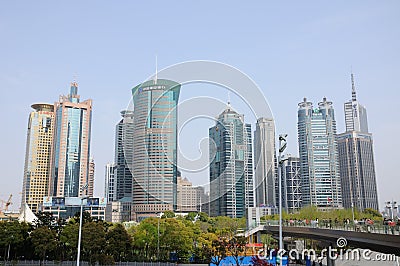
[
  {"x": 282, "y": 147},
  {"x": 83, "y": 188},
  {"x": 391, "y": 206}
]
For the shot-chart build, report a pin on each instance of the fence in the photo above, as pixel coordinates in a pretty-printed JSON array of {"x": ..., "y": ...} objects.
[{"x": 85, "y": 263}]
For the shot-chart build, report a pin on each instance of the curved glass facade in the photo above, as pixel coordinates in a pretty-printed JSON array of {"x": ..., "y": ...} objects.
[{"x": 155, "y": 147}]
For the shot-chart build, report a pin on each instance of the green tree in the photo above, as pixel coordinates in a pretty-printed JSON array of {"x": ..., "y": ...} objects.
[
  {"x": 12, "y": 236},
  {"x": 118, "y": 243},
  {"x": 44, "y": 240},
  {"x": 236, "y": 247},
  {"x": 69, "y": 240},
  {"x": 168, "y": 214},
  {"x": 93, "y": 241}
]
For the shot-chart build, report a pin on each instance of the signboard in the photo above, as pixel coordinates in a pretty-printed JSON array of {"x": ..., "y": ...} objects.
[{"x": 73, "y": 201}]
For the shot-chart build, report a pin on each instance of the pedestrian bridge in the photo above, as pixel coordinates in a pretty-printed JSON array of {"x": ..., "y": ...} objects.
[{"x": 376, "y": 238}]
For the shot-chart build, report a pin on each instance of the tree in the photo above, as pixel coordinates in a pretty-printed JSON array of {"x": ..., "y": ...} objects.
[
  {"x": 168, "y": 214},
  {"x": 118, "y": 243},
  {"x": 69, "y": 239},
  {"x": 218, "y": 251},
  {"x": 44, "y": 240},
  {"x": 12, "y": 235},
  {"x": 93, "y": 241}
]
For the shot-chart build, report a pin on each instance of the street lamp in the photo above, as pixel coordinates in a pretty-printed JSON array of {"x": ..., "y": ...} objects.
[
  {"x": 282, "y": 147},
  {"x": 391, "y": 206},
  {"x": 83, "y": 188}
]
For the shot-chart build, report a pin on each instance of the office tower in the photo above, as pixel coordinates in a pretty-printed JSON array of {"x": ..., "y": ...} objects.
[
  {"x": 124, "y": 155},
  {"x": 90, "y": 182},
  {"x": 231, "y": 169},
  {"x": 319, "y": 165},
  {"x": 264, "y": 162},
  {"x": 202, "y": 199},
  {"x": 291, "y": 184},
  {"x": 356, "y": 158},
  {"x": 187, "y": 196},
  {"x": 355, "y": 113},
  {"x": 154, "y": 147},
  {"x": 71, "y": 149},
  {"x": 110, "y": 185},
  {"x": 357, "y": 170},
  {"x": 38, "y": 155}
]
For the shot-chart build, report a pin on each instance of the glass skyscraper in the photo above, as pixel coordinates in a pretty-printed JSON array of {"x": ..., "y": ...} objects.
[
  {"x": 38, "y": 155},
  {"x": 264, "y": 162},
  {"x": 319, "y": 163},
  {"x": 124, "y": 156},
  {"x": 70, "y": 159},
  {"x": 155, "y": 147},
  {"x": 356, "y": 158},
  {"x": 231, "y": 167}
]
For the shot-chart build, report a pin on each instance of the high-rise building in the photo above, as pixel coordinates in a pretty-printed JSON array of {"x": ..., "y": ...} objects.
[
  {"x": 124, "y": 155},
  {"x": 356, "y": 158},
  {"x": 110, "y": 182},
  {"x": 187, "y": 196},
  {"x": 357, "y": 170},
  {"x": 155, "y": 147},
  {"x": 231, "y": 167},
  {"x": 291, "y": 184},
  {"x": 355, "y": 113},
  {"x": 264, "y": 162},
  {"x": 319, "y": 165},
  {"x": 71, "y": 149},
  {"x": 92, "y": 168},
  {"x": 38, "y": 155}
]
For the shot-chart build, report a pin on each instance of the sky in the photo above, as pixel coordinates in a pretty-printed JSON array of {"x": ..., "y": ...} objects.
[{"x": 290, "y": 49}]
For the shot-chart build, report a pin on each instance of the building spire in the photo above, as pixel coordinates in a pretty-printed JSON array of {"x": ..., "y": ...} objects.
[
  {"x": 155, "y": 76},
  {"x": 353, "y": 88}
]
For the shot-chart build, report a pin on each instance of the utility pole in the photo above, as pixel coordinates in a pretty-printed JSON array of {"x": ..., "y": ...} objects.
[{"x": 282, "y": 147}]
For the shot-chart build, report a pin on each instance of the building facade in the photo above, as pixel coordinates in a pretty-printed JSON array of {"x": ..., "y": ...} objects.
[
  {"x": 71, "y": 149},
  {"x": 291, "y": 184},
  {"x": 187, "y": 196},
  {"x": 356, "y": 158},
  {"x": 231, "y": 167},
  {"x": 154, "y": 187},
  {"x": 124, "y": 155},
  {"x": 264, "y": 162},
  {"x": 319, "y": 165},
  {"x": 110, "y": 184},
  {"x": 355, "y": 113},
  {"x": 357, "y": 170},
  {"x": 38, "y": 155}
]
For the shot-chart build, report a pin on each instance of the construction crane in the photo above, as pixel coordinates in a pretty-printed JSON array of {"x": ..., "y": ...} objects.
[{"x": 6, "y": 204}]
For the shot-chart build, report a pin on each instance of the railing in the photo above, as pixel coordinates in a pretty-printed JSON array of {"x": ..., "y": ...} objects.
[
  {"x": 360, "y": 226},
  {"x": 83, "y": 263}
]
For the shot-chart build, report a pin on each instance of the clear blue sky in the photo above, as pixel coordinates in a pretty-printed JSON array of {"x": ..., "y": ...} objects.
[{"x": 291, "y": 49}]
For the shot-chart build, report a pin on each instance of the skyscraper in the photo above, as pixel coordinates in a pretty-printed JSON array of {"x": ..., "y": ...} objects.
[
  {"x": 71, "y": 149},
  {"x": 264, "y": 162},
  {"x": 110, "y": 182},
  {"x": 356, "y": 158},
  {"x": 291, "y": 184},
  {"x": 124, "y": 155},
  {"x": 92, "y": 168},
  {"x": 155, "y": 147},
  {"x": 319, "y": 165},
  {"x": 231, "y": 167},
  {"x": 355, "y": 113},
  {"x": 38, "y": 155}
]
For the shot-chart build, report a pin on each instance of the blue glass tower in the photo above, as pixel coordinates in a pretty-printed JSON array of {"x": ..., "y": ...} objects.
[
  {"x": 70, "y": 158},
  {"x": 231, "y": 166},
  {"x": 154, "y": 187}
]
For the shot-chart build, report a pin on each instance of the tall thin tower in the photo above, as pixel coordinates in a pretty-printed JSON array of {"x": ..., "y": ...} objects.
[
  {"x": 356, "y": 158},
  {"x": 38, "y": 155},
  {"x": 264, "y": 162},
  {"x": 71, "y": 149}
]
